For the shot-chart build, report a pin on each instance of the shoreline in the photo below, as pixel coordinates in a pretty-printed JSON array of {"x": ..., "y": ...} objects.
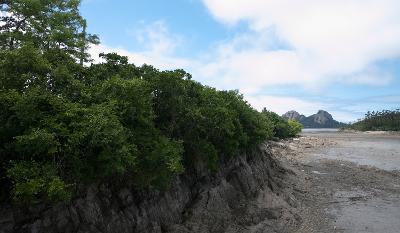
[{"x": 344, "y": 186}]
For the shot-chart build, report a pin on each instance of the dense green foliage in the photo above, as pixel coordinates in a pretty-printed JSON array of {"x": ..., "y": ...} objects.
[
  {"x": 385, "y": 120},
  {"x": 282, "y": 128},
  {"x": 63, "y": 123},
  {"x": 295, "y": 127}
]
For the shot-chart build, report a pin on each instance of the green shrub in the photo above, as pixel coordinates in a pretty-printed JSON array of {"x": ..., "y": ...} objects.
[
  {"x": 295, "y": 127},
  {"x": 33, "y": 181},
  {"x": 282, "y": 128}
]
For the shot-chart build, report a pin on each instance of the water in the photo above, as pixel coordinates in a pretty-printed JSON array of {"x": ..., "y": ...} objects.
[
  {"x": 319, "y": 130},
  {"x": 377, "y": 150}
]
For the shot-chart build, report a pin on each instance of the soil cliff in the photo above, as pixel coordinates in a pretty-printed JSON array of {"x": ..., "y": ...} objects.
[{"x": 250, "y": 193}]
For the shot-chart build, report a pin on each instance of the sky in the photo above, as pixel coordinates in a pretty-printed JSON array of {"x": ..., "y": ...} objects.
[{"x": 342, "y": 56}]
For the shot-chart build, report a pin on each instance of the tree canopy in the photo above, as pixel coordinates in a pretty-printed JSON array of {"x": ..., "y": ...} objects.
[{"x": 64, "y": 123}]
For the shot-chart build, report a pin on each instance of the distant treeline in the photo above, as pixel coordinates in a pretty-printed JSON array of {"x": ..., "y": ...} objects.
[
  {"x": 64, "y": 124},
  {"x": 386, "y": 120}
]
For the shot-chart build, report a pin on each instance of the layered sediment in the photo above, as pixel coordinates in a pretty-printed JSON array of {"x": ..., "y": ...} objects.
[{"x": 249, "y": 193}]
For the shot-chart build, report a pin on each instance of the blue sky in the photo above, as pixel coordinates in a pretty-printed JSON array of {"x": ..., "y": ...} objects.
[{"x": 342, "y": 56}]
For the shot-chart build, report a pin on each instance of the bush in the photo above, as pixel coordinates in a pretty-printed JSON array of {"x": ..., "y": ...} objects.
[
  {"x": 295, "y": 127},
  {"x": 282, "y": 128},
  {"x": 138, "y": 122},
  {"x": 34, "y": 181}
]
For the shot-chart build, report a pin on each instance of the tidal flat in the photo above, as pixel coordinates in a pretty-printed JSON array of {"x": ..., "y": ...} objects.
[{"x": 351, "y": 180}]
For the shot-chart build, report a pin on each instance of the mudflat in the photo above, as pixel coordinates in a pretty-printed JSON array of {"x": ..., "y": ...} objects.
[{"x": 348, "y": 181}]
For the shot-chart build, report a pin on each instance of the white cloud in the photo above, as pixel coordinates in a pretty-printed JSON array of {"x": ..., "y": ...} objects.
[
  {"x": 370, "y": 76},
  {"x": 282, "y": 104},
  {"x": 252, "y": 70},
  {"x": 330, "y": 41},
  {"x": 158, "y": 60},
  {"x": 158, "y": 48},
  {"x": 157, "y": 39}
]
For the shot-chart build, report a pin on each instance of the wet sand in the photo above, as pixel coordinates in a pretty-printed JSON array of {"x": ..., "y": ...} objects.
[
  {"x": 349, "y": 182},
  {"x": 373, "y": 149}
]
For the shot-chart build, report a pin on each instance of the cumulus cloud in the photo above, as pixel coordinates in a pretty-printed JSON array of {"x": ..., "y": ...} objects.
[
  {"x": 160, "y": 61},
  {"x": 158, "y": 48},
  {"x": 329, "y": 41},
  {"x": 157, "y": 39}
]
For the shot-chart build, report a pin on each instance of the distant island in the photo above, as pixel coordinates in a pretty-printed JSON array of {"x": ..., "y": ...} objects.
[{"x": 322, "y": 119}]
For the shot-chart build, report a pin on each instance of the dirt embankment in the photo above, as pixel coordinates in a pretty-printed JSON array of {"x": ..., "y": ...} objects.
[{"x": 250, "y": 193}]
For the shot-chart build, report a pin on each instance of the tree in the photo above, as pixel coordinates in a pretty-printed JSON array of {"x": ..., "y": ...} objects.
[
  {"x": 40, "y": 41},
  {"x": 45, "y": 24},
  {"x": 388, "y": 120}
]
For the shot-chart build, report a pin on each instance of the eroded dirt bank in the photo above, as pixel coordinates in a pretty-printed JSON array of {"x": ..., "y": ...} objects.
[
  {"x": 335, "y": 182},
  {"x": 350, "y": 181},
  {"x": 253, "y": 192}
]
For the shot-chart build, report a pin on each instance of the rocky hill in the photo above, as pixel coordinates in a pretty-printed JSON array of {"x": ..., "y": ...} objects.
[
  {"x": 322, "y": 119},
  {"x": 293, "y": 115}
]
